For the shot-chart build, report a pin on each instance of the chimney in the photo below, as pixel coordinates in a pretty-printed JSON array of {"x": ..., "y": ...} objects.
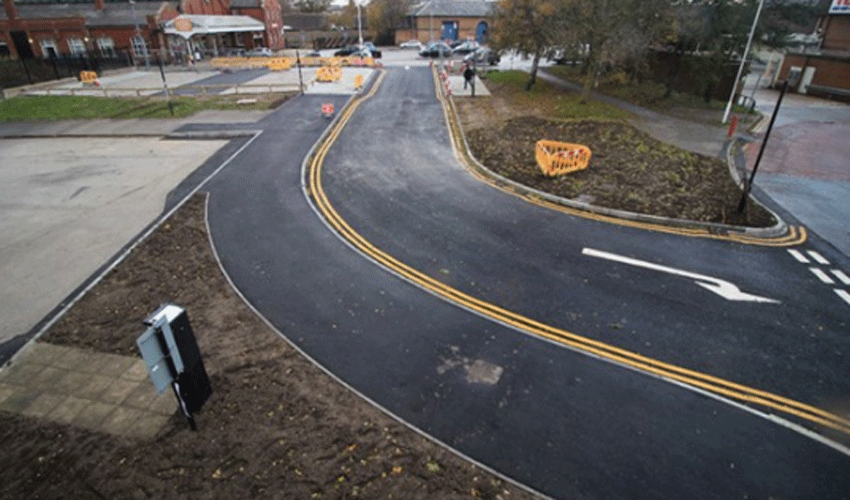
[
  {"x": 11, "y": 10},
  {"x": 98, "y": 4}
]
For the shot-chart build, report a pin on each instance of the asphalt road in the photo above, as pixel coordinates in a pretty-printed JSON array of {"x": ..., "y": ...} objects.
[{"x": 564, "y": 422}]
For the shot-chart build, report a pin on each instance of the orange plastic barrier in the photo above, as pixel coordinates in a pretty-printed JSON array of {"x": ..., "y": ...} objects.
[
  {"x": 88, "y": 77},
  {"x": 558, "y": 158}
]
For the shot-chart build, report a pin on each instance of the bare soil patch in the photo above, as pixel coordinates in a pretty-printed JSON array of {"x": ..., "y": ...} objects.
[
  {"x": 629, "y": 169},
  {"x": 275, "y": 427}
]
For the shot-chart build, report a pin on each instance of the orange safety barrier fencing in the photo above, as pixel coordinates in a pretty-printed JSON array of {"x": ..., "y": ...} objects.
[{"x": 558, "y": 158}]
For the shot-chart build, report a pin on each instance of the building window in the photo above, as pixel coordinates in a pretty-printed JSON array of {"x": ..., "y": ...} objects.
[
  {"x": 106, "y": 46},
  {"x": 139, "y": 46},
  {"x": 258, "y": 40},
  {"x": 48, "y": 47},
  {"x": 4, "y": 49},
  {"x": 76, "y": 46}
]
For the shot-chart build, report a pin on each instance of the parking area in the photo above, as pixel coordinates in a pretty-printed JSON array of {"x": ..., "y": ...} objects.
[{"x": 67, "y": 207}]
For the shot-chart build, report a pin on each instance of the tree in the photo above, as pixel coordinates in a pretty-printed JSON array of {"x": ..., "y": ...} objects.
[
  {"x": 614, "y": 33},
  {"x": 529, "y": 26},
  {"x": 713, "y": 33},
  {"x": 384, "y": 16},
  {"x": 312, "y": 5},
  {"x": 347, "y": 17}
]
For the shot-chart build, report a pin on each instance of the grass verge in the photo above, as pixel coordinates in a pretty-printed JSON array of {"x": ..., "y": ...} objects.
[
  {"x": 647, "y": 93},
  {"x": 548, "y": 99}
]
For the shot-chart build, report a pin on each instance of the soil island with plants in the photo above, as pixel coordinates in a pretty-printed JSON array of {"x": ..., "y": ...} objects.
[{"x": 629, "y": 170}]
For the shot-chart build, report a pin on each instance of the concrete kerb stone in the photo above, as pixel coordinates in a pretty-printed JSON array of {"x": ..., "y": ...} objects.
[
  {"x": 213, "y": 134},
  {"x": 777, "y": 230}
]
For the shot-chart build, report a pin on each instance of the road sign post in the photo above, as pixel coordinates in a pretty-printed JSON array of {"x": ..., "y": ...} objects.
[{"x": 748, "y": 184}]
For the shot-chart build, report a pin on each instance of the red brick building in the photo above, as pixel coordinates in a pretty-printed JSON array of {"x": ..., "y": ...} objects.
[
  {"x": 29, "y": 29},
  {"x": 447, "y": 20},
  {"x": 825, "y": 71},
  {"x": 41, "y": 28}
]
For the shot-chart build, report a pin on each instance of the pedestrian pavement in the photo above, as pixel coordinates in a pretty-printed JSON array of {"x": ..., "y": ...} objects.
[
  {"x": 805, "y": 167},
  {"x": 93, "y": 390}
]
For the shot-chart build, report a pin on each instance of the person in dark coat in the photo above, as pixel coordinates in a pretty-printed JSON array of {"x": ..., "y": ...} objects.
[{"x": 468, "y": 75}]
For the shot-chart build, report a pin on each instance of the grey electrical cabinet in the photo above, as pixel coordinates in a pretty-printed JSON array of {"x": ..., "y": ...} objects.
[{"x": 172, "y": 355}]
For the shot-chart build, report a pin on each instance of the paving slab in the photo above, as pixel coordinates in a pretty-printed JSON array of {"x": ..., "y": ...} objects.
[{"x": 97, "y": 391}]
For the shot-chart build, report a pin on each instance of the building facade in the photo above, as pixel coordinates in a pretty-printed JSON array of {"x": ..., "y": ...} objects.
[
  {"x": 47, "y": 28},
  {"x": 824, "y": 71},
  {"x": 30, "y": 29},
  {"x": 447, "y": 20}
]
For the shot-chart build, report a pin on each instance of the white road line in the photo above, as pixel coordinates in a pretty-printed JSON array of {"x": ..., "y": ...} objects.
[
  {"x": 800, "y": 257},
  {"x": 843, "y": 294},
  {"x": 822, "y": 275},
  {"x": 818, "y": 258},
  {"x": 838, "y": 273},
  {"x": 721, "y": 287}
]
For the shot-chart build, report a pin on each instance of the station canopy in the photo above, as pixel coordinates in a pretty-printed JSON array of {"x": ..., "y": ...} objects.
[{"x": 188, "y": 25}]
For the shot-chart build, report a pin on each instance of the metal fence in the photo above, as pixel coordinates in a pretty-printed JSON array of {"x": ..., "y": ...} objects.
[{"x": 18, "y": 72}]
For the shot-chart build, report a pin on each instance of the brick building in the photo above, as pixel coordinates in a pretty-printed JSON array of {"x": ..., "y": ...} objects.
[
  {"x": 447, "y": 20},
  {"x": 824, "y": 71},
  {"x": 30, "y": 28},
  {"x": 42, "y": 28}
]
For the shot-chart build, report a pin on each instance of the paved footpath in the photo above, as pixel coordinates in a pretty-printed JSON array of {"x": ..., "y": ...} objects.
[
  {"x": 806, "y": 163},
  {"x": 96, "y": 391}
]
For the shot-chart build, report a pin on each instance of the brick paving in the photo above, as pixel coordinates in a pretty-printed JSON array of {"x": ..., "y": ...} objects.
[{"x": 97, "y": 391}]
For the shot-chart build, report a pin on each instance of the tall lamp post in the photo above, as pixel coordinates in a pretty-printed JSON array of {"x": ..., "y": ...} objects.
[
  {"x": 743, "y": 61},
  {"x": 431, "y": 22},
  {"x": 359, "y": 24}
]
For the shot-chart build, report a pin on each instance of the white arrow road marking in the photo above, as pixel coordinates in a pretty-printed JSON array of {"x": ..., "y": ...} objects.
[{"x": 723, "y": 288}]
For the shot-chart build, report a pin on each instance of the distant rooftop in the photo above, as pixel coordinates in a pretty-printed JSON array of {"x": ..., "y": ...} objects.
[
  {"x": 453, "y": 8},
  {"x": 113, "y": 14}
]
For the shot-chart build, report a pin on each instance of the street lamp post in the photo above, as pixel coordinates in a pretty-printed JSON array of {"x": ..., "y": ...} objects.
[
  {"x": 743, "y": 61},
  {"x": 431, "y": 22},
  {"x": 359, "y": 24}
]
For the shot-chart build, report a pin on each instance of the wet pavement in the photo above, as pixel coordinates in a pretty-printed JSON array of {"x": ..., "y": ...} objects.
[{"x": 806, "y": 162}]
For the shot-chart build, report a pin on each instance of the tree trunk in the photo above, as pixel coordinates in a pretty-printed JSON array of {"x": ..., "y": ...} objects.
[
  {"x": 591, "y": 74},
  {"x": 532, "y": 78}
]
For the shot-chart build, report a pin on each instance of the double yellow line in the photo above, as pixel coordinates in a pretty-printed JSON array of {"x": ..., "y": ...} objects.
[
  {"x": 796, "y": 234},
  {"x": 709, "y": 383}
]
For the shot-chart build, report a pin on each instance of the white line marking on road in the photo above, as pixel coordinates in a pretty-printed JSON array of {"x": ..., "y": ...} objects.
[
  {"x": 818, "y": 258},
  {"x": 821, "y": 275},
  {"x": 723, "y": 288},
  {"x": 800, "y": 257},
  {"x": 838, "y": 273},
  {"x": 843, "y": 294}
]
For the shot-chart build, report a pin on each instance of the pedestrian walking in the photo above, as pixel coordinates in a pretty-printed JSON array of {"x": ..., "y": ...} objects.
[{"x": 468, "y": 75}]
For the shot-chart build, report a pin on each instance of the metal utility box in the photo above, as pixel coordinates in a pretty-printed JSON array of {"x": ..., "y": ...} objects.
[{"x": 171, "y": 352}]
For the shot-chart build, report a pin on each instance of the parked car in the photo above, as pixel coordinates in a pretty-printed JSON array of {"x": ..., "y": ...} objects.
[
  {"x": 236, "y": 53},
  {"x": 260, "y": 52},
  {"x": 483, "y": 55},
  {"x": 411, "y": 44},
  {"x": 372, "y": 49},
  {"x": 436, "y": 49},
  {"x": 367, "y": 50},
  {"x": 347, "y": 51},
  {"x": 466, "y": 47}
]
